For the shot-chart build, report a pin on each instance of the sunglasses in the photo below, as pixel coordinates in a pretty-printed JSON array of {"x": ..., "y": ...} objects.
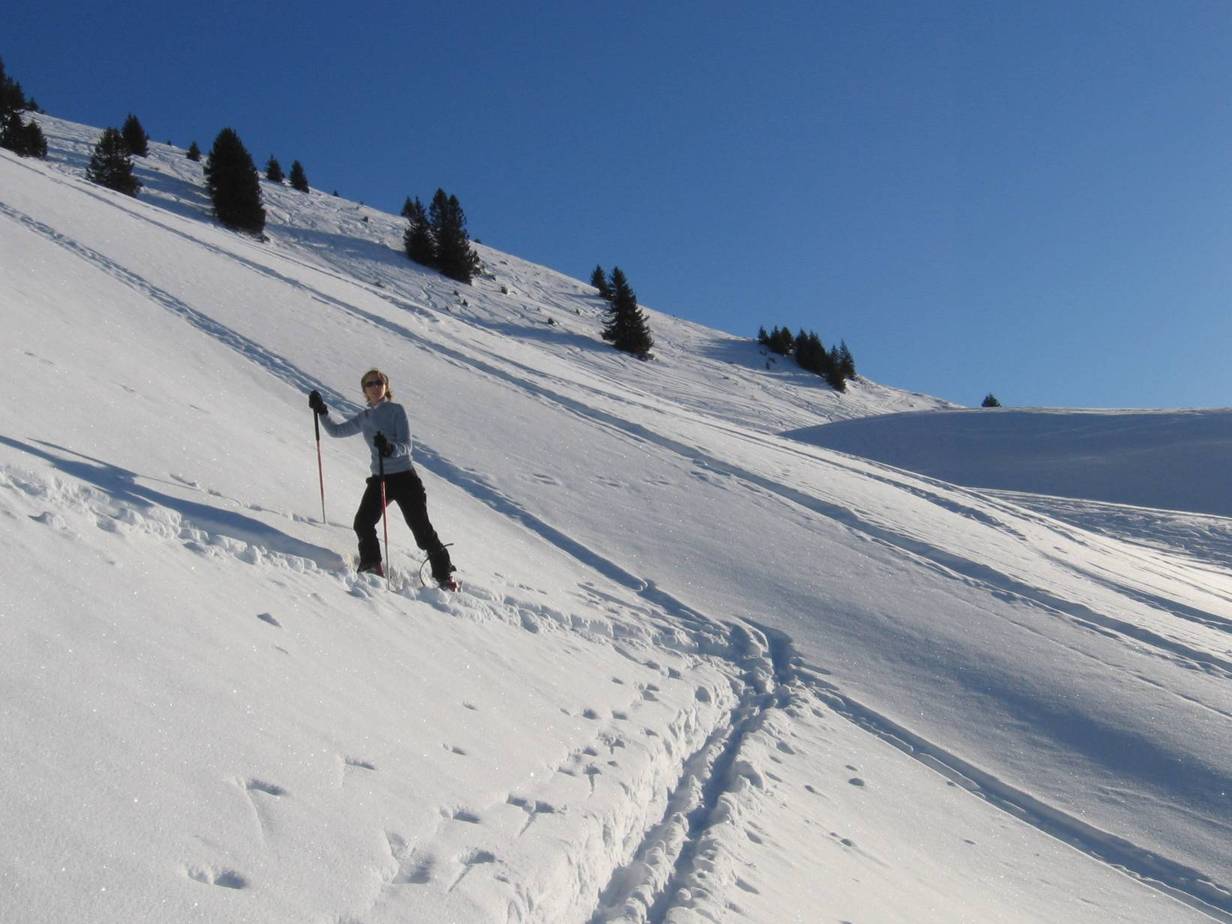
[{"x": 373, "y": 383}]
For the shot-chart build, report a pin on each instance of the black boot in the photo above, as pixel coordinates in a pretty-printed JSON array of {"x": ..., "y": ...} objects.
[{"x": 442, "y": 568}]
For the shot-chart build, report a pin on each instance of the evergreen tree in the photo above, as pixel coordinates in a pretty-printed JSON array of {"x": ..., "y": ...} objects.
[
  {"x": 33, "y": 142},
  {"x": 111, "y": 164},
  {"x": 418, "y": 240},
  {"x": 12, "y": 98},
  {"x": 811, "y": 354},
  {"x": 135, "y": 137},
  {"x": 598, "y": 279},
  {"x": 22, "y": 138},
  {"x": 627, "y": 328},
  {"x": 455, "y": 257},
  {"x": 299, "y": 179},
  {"x": 834, "y": 373},
  {"x": 234, "y": 185},
  {"x": 194, "y": 152},
  {"x": 846, "y": 362},
  {"x": 780, "y": 341},
  {"x": 990, "y": 400},
  {"x": 273, "y": 170}
]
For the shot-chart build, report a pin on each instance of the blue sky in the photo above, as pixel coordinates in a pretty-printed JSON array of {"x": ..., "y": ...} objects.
[{"x": 1029, "y": 198}]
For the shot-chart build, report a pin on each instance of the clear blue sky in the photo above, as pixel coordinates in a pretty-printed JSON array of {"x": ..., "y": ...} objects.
[{"x": 1029, "y": 198}]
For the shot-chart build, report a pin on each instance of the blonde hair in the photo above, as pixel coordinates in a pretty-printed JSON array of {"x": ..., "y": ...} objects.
[{"x": 389, "y": 392}]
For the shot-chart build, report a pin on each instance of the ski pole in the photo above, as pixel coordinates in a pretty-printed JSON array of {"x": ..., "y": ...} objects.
[
  {"x": 316, "y": 423},
  {"x": 384, "y": 519}
]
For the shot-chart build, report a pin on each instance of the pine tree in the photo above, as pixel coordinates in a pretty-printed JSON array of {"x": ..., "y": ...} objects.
[
  {"x": 135, "y": 137},
  {"x": 990, "y": 400},
  {"x": 455, "y": 257},
  {"x": 273, "y": 170},
  {"x": 194, "y": 152},
  {"x": 33, "y": 142},
  {"x": 12, "y": 98},
  {"x": 299, "y": 179},
  {"x": 22, "y": 138},
  {"x": 417, "y": 240},
  {"x": 234, "y": 185},
  {"x": 780, "y": 341},
  {"x": 834, "y": 372},
  {"x": 627, "y": 328},
  {"x": 846, "y": 362},
  {"x": 111, "y": 164},
  {"x": 811, "y": 354},
  {"x": 598, "y": 279}
]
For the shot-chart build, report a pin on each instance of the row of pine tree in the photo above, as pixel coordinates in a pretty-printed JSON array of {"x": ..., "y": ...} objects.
[
  {"x": 435, "y": 236},
  {"x": 835, "y": 365}
]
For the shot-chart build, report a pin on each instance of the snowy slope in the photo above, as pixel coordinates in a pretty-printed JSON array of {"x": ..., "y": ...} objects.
[
  {"x": 1175, "y": 460},
  {"x": 699, "y": 671}
]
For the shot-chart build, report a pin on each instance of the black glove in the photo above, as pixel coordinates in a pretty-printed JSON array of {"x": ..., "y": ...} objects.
[
  {"x": 383, "y": 446},
  {"x": 317, "y": 403}
]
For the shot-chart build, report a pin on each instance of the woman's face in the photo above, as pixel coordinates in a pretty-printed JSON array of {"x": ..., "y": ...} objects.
[{"x": 374, "y": 388}]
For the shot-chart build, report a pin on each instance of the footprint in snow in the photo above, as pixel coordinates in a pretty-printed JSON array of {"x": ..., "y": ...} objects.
[
  {"x": 270, "y": 789},
  {"x": 359, "y": 764},
  {"x": 469, "y": 861},
  {"x": 532, "y": 808},
  {"x": 266, "y": 617},
  {"x": 225, "y": 878}
]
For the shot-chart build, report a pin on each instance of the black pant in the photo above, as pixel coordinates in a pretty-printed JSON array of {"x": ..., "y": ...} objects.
[{"x": 407, "y": 491}]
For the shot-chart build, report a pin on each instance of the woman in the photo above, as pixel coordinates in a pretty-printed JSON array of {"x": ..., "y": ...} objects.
[{"x": 388, "y": 433}]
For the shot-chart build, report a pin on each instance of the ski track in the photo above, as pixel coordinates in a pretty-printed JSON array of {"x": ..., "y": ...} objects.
[
  {"x": 763, "y": 658},
  {"x": 664, "y": 861}
]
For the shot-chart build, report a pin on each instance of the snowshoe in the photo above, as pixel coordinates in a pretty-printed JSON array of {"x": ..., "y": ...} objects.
[{"x": 372, "y": 567}]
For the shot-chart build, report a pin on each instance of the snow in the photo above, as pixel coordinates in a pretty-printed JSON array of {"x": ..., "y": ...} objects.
[
  {"x": 1173, "y": 459},
  {"x": 703, "y": 667}
]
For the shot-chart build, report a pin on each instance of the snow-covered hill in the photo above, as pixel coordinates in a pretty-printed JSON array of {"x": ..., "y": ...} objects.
[
  {"x": 1171, "y": 459},
  {"x": 698, "y": 670}
]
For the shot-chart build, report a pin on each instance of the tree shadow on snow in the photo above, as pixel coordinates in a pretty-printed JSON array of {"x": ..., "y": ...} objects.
[{"x": 125, "y": 487}]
